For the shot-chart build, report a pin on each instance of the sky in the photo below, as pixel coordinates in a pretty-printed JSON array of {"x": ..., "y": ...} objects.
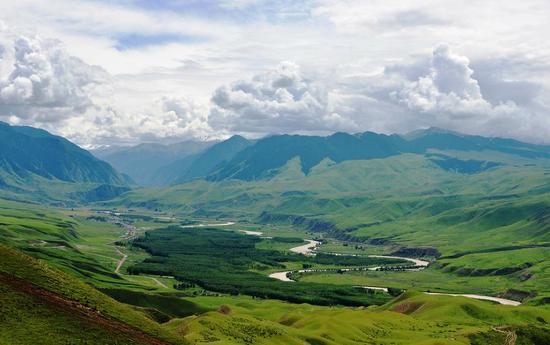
[{"x": 124, "y": 72}]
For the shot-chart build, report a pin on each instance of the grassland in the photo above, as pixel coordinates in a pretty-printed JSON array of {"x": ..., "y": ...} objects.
[
  {"x": 483, "y": 225},
  {"x": 491, "y": 231},
  {"x": 411, "y": 319}
]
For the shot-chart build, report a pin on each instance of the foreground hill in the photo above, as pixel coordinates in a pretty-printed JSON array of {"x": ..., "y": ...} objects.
[
  {"x": 38, "y": 164},
  {"x": 41, "y": 305}
]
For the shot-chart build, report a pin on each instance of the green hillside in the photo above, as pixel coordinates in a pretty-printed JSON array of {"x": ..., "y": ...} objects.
[
  {"x": 37, "y": 300},
  {"x": 29, "y": 150},
  {"x": 37, "y": 166}
]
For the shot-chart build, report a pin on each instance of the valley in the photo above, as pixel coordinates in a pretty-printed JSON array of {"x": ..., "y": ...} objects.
[
  {"x": 253, "y": 172},
  {"x": 424, "y": 246}
]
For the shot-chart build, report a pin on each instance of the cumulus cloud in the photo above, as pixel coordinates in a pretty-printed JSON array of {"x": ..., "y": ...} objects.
[
  {"x": 177, "y": 117},
  {"x": 40, "y": 81},
  {"x": 440, "y": 90},
  {"x": 42, "y": 85},
  {"x": 280, "y": 100},
  {"x": 449, "y": 88},
  {"x": 169, "y": 119}
]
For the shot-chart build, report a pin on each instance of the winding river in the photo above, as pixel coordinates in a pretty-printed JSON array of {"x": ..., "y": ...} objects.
[
  {"x": 309, "y": 249},
  {"x": 207, "y": 225},
  {"x": 311, "y": 245}
]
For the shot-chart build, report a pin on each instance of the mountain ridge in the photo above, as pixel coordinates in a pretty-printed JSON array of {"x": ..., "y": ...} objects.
[
  {"x": 28, "y": 149},
  {"x": 37, "y": 165},
  {"x": 256, "y": 161}
]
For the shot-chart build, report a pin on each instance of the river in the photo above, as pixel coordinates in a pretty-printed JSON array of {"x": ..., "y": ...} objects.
[{"x": 308, "y": 249}]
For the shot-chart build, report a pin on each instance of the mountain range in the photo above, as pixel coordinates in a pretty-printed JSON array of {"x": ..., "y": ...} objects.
[
  {"x": 267, "y": 155},
  {"x": 242, "y": 159},
  {"x": 37, "y": 163},
  {"x": 30, "y": 154}
]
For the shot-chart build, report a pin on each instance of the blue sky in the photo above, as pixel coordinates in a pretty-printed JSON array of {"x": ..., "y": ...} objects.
[
  {"x": 244, "y": 10},
  {"x": 137, "y": 40},
  {"x": 123, "y": 72}
]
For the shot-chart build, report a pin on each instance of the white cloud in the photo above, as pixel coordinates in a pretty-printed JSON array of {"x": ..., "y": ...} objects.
[
  {"x": 449, "y": 89},
  {"x": 42, "y": 85},
  {"x": 281, "y": 100},
  {"x": 341, "y": 46},
  {"x": 40, "y": 81},
  {"x": 168, "y": 119}
]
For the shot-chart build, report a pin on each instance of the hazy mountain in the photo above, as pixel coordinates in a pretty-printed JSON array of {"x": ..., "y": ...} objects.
[
  {"x": 170, "y": 173},
  {"x": 201, "y": 164},
  {"x": 141, "y": 162}
]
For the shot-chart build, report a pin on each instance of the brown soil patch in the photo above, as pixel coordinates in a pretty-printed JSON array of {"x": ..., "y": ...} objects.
[{"x": 407, "y": 308}]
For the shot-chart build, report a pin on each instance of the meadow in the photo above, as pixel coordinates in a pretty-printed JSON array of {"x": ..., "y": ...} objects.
[{"x": 79, "y": 245}]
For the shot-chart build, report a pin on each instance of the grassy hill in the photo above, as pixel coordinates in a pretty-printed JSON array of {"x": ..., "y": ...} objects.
[
  {"x": 38, "y": 300},
  {"x": 413, "y": 318}
]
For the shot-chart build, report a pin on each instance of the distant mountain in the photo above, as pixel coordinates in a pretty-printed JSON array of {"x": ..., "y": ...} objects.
[
  {"x": 202, "y": 164},
  {"x": 142, "y": 162},
  {"x": 264, "y": 158},
  {"x": 39, "y": 164},
  {"x": 260, "y": 160},
  {"x": 441, "y": 139},
  {"x": 241, "y": 159}
]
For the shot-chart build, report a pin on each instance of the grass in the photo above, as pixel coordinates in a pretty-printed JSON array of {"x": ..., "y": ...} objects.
[
  {"x": 39, "y": 274},
  {"x": 411, "y": 319},
  {"x": 44, "y": 323},
  {"x": 225, "y": 319}
]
